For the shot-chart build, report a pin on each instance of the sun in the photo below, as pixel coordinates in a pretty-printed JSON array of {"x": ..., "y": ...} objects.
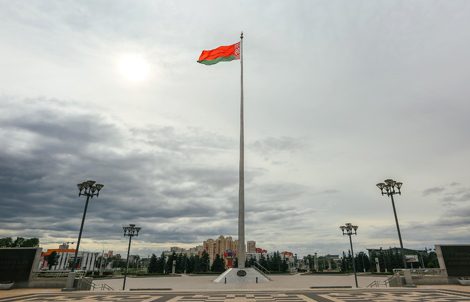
[{"x": 134, "y": 68}]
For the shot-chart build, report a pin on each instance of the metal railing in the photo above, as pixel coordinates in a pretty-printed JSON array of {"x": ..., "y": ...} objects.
[
  {"x": 88, "y": 282},
  {"x": 262, "y": 270},
  {"x": 83, "y": 280},
  {"x": 420, "y": 271},
  {"x": 386, "y": 282},
  {"x": 50, "y": 274}
]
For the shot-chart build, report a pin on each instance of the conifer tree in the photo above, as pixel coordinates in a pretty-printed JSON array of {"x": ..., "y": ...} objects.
[
  {"x": 204, "y": 262},
  {"x": 152, "y": 268},
  {"x": 218, "y": 265}
]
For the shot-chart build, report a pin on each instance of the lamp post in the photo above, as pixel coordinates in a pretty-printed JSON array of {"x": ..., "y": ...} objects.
[
  {"x": 349, "y": 228},
  {"x": 89, "y": 188},
  {"x": 129, "y": 231},
  {"x": 389, "y": 187}
]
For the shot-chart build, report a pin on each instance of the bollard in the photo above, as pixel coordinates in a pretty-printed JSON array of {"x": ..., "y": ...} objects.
[
  {"x": 225, "y": 280},
  {"x": 256, "y": 279}
]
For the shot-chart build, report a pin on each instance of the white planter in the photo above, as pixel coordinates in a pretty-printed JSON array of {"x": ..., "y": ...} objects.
[
  {"x": 5, "y": 285},
  {"x": 464, "y": 282}
]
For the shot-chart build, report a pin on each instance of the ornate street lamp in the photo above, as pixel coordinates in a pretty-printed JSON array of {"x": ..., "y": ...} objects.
[
  {"x": 89, "y": 188},
  {"x": 389, "y": 186},
  {"x": 349, "y": 228},
  {"x": 129, "y": 231}
]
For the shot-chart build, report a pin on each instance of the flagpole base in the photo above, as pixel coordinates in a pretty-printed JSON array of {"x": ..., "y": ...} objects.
[{"x": 241, "y": 275}]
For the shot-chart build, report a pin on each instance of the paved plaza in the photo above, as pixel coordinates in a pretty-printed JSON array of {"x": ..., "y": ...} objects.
[{"x": 296, "y": 288}]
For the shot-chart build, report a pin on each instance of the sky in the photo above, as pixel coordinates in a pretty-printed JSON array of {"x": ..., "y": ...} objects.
[{"x": 339, "y": 96}]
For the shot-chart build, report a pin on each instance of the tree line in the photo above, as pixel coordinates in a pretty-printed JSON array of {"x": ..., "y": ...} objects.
[
  {"x": 19, "y": 242},
  {"x": 388, "y": 259},
  {"x": 195, "y": 264}
]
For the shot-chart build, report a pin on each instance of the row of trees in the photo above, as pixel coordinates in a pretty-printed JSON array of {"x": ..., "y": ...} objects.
[
  {"x": 273, "y": 263},
  {"x": 19, "y": 242},
  {"x": 324, "y": 262},
  {"x": 196, "y": 264},
  {"x": 185, "y": 263},
  {"x": 388, "y": 260}
]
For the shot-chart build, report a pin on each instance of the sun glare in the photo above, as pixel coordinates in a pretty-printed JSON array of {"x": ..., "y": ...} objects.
[{"x": 134, "y": 68}]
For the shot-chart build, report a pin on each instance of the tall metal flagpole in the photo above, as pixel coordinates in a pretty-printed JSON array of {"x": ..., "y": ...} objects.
[{"x": 241, "y": 186}]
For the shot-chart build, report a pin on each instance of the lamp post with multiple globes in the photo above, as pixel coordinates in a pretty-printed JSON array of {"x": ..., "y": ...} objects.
[
  {"x": 391, "y": 188},
  {"x": 129, "y": 231},
  {"x": 350, "y": 230},
  {"x": 89, "y": 190}
]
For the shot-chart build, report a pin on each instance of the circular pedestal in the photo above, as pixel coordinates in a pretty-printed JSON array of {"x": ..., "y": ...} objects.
[
  {"x": 464, "y": 282},
  {"x": 5, "y": 285}
]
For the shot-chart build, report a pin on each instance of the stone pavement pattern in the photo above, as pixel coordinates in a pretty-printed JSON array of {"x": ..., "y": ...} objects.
[{"x": 412, "y": 295}]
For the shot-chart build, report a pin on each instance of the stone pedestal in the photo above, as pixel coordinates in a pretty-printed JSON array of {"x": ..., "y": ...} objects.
[
  {"x": 70, "y": 282},
  {"x": 241, "y": 275},
  {"x": 408, "y": 279}
]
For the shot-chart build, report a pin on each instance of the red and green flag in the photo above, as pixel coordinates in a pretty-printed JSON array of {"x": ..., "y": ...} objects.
[{"x": 220, "y": 54}]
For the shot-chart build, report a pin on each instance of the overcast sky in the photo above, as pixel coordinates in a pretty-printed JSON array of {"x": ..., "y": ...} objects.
[{"x": 339, "y": 95}]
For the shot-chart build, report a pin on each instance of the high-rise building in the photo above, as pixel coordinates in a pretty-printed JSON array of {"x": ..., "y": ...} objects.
[
  {"x": 251, "y": 246},
  {"x": 194, "y": 251},
  {"x": 219, "y": 246}
]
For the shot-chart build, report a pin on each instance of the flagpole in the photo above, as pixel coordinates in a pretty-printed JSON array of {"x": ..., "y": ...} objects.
[{"x": 241, "y": 185}]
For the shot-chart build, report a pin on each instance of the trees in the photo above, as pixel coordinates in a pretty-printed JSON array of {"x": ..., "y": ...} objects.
[
  {"x": 204, "y": 262},
  {"x": 152, "y": 268},
  {"x": 218, "y": 265},
  {"x": 284, "y": 265},
  {"x": 169, "y": 262},
  {"x": 19, "y": 242},
  {"x": 432, "y": 259},
  {"x": 344, "y": 266},
  {"x": 161, "y": 264},
  {"x": 194, "y": 264},
  {"x": 52, "y": 259}
]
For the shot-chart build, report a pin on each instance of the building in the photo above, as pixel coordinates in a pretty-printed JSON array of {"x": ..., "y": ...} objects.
[
  {"x": 251, "y": 247},
  {"x": 219, "y": 246},
  {"x": 194, "y": 251},
  {"x": 86, "y": 260}
]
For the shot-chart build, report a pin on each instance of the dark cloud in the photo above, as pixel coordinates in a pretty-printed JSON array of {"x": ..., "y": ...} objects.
[
  {"x": 456, "y": 194},
  {"x": 151, "y": 176},
  {"x": 330, "y": 191},
  {"x": 271, "y": 145},
  {"x": 432, "y": 191}
]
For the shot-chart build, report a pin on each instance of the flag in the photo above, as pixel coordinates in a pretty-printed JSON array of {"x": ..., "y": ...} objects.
[{"x": 222, "y": 53}]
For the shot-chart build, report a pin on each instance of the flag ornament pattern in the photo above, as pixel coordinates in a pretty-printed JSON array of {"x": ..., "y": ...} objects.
[{"x": 220, "y": 54}]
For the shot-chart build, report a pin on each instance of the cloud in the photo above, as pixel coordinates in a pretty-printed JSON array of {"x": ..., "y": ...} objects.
[
  {"x": 154, "y": 176},
  {"x": 329, "y": 191},
  {"x": 272, "y": 145},
  {"x": 432, "y": 191}
]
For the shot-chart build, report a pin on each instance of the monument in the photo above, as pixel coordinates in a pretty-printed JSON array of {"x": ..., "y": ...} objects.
[
  {"x": 454, "y": 259},
  {"x": 17, "y": 265},
  {"x": 240, "y": 274}
]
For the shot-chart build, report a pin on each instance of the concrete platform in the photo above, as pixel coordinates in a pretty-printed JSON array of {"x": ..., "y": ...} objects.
[
  {"x": 241, "y": 275},
  {"x": 283, "y": 287}
]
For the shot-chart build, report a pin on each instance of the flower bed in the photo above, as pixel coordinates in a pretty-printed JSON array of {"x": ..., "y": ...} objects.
[{"x": 464, "y": 281}]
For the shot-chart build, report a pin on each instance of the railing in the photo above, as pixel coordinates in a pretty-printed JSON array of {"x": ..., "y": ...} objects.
[
  {"x": 106, "y": 286},
  {"x": 83, "y": 280},
  {"x": 50, "y": 274},
  {"x": 395, "y": 277},
  {"x": 386, "y": 282},
  {"x": 260, "y": 267},
  {"x": 374, "y": 283},
  {"x": 263, "y": 271},
  {"x": 420, "y": 271},
  {"x": 87, "y": 282}
]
